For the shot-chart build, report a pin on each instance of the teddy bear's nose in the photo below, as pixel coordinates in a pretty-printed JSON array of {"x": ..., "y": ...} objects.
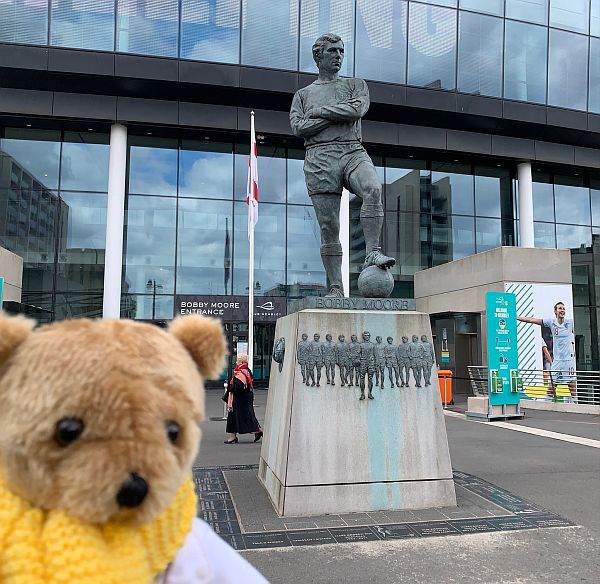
[{"x": 133, "y": 491}]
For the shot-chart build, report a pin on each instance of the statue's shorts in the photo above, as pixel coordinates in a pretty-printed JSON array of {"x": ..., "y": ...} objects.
[{"x": 327, "y": 168}]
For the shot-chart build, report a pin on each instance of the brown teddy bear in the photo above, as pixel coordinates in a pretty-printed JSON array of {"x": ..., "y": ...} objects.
[{"x": 98, "y": 432}]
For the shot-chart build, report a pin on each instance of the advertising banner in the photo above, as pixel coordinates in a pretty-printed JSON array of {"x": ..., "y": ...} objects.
[
  {"x": 503, "y": 360},
  {"x": 1, "y": 290},
  {"x": 538, "y": 300}
]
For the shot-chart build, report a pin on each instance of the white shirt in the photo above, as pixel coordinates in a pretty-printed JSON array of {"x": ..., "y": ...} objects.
[{"x": 206, "y": 559}]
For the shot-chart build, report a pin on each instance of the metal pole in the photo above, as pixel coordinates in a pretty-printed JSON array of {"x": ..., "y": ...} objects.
[
  {"x": 153, "y": 298},
  {"x": 251, "y": 256}
]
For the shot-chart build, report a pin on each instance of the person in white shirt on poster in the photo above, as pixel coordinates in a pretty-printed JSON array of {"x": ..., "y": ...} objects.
[{"x": 563, "y": 347}]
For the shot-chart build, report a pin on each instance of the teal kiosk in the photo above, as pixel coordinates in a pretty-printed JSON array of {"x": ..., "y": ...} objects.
[{"x": 504, "y": 380}]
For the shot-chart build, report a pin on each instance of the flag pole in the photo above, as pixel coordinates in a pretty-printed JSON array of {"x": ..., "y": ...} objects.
[{"x": 252, "y": 202}]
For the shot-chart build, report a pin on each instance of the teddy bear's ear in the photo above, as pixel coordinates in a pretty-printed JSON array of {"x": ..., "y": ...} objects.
[
  {"x": 13, "y": 331},
  {"x": 204, "y": 339}
]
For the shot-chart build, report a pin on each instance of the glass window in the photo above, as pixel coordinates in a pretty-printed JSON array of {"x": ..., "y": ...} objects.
[
  {"x": 269, "y": 255},
  {"x": 570, "y": 14},
  {"x": 584, "y": 340},
  {"x": 83, "y": 24},
  {"x": 594, "y": 103},
  {"x": 544, "y": 235},
  {"x": 28, "y": 224},
  {"x": 260, "y": 46},
  {"x": 210, "y": 30},
  {"x": 81, "y": 242},
  {"x": 452, "y": 189},
  {"x": 567, "y": 70},
  {"x": 572, "y": 204},
  {"x": 495, "y": 7},
  {"x": 535, "y": 11},
  {"x": 148, "y": 27},
  {"x": 24, "y": 21},
  {"x": 305, "y": 272},
  {"x": 488, "y": 234},
  {"x": 573, "y": 236},
  {"x": 543, "y": 202},
  {"x": 149, "y": 247},
  {"x": 84, "y": 162},
  {"x": 480, "y": 54},
  {"x": 451, "y": 3},
  {"x": 595, "y": 194},
  {"x": 488, "y": 193},
  {"x": 431, "y": 47},
  {"x": 33, "y": 156},
  {"x": 77, "y": 306},
  {"x": 320, "y": 16},
  {"x": 205, "y": 170},
  {"x": 595, "y": 18},
  {"x": 581, "y": 285},
  {"x": 271, "y": 173},
  {"x": 296, "y": 185},
  {"x": 463, "y": 237},
  {"x": 381, "y": 40},
  {"x": 406, "y": 187},
  {"x": 153, "y": 167},
  {"x": 525, "y": 62},
  {"x": 147, "y": 306},
  {"x": 406, "y": 238},
  {"x": 204, "y": 247}
]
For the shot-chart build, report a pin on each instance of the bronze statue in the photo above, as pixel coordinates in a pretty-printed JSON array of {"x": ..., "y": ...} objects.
[{"x": 327, "y": 115}]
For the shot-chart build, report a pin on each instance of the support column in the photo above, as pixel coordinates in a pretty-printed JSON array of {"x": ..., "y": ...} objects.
[
  {"x": 115, "y": 212},
  {"x": 526, "y": 237}
]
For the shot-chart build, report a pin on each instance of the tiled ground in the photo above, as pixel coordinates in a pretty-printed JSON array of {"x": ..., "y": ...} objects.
[{"x": 236, "y": 505}]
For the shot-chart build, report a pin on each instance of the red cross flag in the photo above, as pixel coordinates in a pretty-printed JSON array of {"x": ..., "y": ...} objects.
[{"x": 252, "y": 189}]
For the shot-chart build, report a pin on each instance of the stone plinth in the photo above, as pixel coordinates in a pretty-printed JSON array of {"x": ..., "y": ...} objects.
[{"x": 326, "y": 451}]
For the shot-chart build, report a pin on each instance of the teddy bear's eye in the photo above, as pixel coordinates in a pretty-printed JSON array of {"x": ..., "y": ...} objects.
[
  {"x": 68, "y": 430},
  {"x": 173, "y": 431}
]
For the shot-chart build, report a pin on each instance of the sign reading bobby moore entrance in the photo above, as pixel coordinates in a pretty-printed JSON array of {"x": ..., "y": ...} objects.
[{"x": 231, "y": 308}]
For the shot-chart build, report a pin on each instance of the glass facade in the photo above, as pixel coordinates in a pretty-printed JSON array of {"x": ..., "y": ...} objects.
[
  {"x": 185, "y": 228},
  {"x": 540, "y": 51}
]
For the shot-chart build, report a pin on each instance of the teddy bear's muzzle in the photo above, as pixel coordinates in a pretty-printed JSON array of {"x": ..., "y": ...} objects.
[{"x": 132, "y": 492}]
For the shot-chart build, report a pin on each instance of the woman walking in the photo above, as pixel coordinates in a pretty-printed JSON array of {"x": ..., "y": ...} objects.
[{"x": 241, "y": 418}]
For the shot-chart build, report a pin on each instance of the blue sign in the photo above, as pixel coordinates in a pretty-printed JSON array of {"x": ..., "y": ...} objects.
[{"x": 504, "y": 380}]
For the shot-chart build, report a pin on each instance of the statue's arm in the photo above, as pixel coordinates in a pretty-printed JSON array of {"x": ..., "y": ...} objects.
[
  {"x": 302, "y": 125},
  {"x": 349, "y": 110}
]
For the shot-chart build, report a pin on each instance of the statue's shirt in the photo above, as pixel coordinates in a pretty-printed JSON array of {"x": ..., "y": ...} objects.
[{"x": 339, "y": 105}]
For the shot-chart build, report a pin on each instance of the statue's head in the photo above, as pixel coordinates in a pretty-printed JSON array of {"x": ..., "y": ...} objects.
[
  {"x": 354, "y": 338},
  {"x": 405, "y": 339},
  {"x": 328, "y": 337},
  {"x": 317, "y": 336},
  {"x": 304, "y": 336},
  {"x": 390, "y": 340},
  {"x": 378, "y": 339},
  {"x": 424, "y": 338},
  {"x": 341, "y": 338},
  {"x": 415, "y": 338},
  {"x": 328, "y": 51},
  {"x": 366, "y": 336}
]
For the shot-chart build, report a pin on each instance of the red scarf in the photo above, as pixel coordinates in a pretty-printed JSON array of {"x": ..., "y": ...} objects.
[{"x": 242, "y": 373}]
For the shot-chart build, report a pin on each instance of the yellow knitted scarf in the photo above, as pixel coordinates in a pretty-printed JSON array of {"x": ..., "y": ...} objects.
[{"x": 50, "y": 547}]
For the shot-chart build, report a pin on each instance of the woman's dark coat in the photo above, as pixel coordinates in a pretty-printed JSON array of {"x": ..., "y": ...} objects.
[{"x": 242, "y": 420}]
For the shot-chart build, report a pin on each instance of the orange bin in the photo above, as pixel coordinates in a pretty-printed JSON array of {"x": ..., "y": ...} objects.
[{"x": 445, "y": 378}]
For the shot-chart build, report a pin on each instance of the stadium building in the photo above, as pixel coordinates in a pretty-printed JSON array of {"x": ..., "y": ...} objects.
[{"x": 479, "y": 108}]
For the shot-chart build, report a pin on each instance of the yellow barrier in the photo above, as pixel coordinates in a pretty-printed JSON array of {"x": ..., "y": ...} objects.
[{"x": 541, "y": 392}]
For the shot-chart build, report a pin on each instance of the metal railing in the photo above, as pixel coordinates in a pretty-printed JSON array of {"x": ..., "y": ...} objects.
[{"x": 582, "y": 387}]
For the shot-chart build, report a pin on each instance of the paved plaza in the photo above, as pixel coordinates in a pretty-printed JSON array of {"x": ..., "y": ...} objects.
[{"x": 528, "y": 510}]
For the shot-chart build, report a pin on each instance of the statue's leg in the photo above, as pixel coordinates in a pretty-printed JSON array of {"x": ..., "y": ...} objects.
[
  {"x": 365, "y": 183},
  {"x": 327, "y": 209}
]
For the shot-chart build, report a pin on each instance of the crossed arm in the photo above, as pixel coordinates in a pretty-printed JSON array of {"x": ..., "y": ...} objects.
[{"x": 308, "y": 123}]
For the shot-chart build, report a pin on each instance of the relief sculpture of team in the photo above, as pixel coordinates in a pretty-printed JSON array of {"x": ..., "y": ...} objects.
[{"x": 364, "y": 363}]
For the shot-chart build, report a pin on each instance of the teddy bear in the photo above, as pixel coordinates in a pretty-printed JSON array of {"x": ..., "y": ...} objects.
[{"x": 99, "y": 427}]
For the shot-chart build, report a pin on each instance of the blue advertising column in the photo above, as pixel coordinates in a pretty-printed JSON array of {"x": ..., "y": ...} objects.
[
  {"x": 504, "y": 381},
  {"x": 1, "y": 289}
]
